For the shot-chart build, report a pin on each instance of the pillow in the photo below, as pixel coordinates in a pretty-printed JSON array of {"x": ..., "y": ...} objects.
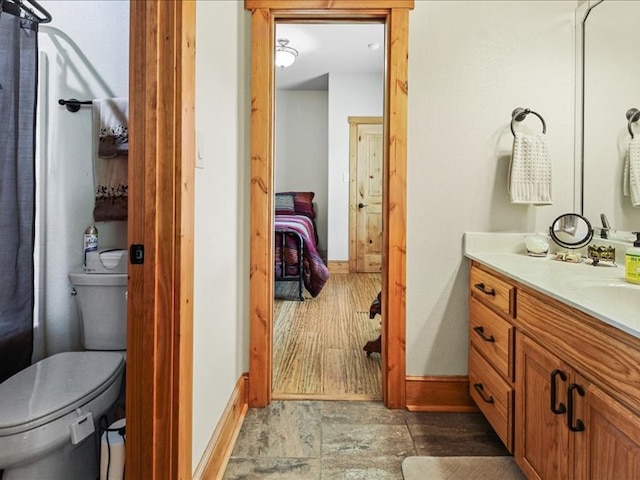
[
  {"x": 285, "y": 204},
  {"x": 303, "y": 203}
]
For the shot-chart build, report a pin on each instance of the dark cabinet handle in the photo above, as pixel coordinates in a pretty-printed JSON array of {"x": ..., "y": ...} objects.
[
  {"x": 362, "y": 205},
  {"x": 482, "y": 288},
  {"x": 578, "y": 425},
  {"x": 480, "y": 331},
  {"x": 561, "y": 408},
  {"x": 480, "y": 389}
]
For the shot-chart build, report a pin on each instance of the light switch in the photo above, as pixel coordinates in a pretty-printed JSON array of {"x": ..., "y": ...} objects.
[
  {"x": 200, "y": 149},
  {"x": 345, "y": 177}
]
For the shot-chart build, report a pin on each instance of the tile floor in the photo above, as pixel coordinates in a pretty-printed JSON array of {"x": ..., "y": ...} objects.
[{"x": 300, "y": 440}]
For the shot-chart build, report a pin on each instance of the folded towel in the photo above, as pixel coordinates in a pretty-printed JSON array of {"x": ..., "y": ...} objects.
[
  {"x": 113, "y": 115},
  {"x": 111, "y": 139},
  {"x": 530, "y": 170},
  {"x": 631, "y": 175}
]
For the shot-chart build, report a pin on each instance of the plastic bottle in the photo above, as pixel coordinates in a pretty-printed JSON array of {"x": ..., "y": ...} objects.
[
  {"x": 90, "y": 241},
  {"x": 632, "y": 261}
]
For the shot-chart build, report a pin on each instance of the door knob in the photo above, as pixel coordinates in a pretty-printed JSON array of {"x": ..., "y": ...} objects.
[{"x": 361, "y": 205}]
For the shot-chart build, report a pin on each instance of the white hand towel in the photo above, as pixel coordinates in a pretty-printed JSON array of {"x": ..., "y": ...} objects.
[
  {"x": 530, "y": 170},
  {"x": 631, "y": 175}
]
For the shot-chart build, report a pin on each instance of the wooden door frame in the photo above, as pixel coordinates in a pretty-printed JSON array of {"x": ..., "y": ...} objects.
[
  {"x": 161, "y": 203},
  {"x": 395, "y": 15},
  {"x": 353, "y": 190}
]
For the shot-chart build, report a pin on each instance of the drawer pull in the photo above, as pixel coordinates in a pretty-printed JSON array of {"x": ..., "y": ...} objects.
[
  {"x": 561, "y": 408},
  {"x": 578, "y": 426},
  {"x": 480, "y": 331},
  {"x": 480, "y": 389},
  {"x": 483, "y": 289}
]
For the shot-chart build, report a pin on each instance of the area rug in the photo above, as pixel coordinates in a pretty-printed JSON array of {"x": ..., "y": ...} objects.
[{"x": 461, "y": 468}]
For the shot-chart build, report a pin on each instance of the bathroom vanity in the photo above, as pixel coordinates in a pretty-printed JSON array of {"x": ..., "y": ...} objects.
[{"x": 554, "y": 361}]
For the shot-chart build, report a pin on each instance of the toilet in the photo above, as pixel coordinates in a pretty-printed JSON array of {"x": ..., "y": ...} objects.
[{"x": 50, "y": 410}]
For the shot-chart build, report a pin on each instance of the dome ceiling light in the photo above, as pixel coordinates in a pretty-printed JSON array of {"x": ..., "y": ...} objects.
[{"x": 285, "y": 55}]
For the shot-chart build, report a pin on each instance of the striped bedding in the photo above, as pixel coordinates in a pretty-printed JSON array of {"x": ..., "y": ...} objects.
[{"x": 315, "y": 272}]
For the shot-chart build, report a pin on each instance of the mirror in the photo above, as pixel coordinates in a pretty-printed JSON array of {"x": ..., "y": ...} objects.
[
  {"x": 571, "y": 231},
  {"x": 610, "y": 73}
]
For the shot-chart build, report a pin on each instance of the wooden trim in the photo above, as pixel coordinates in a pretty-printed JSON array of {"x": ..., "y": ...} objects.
[
  {"x": 216, "y": 456},
  {"x": 348, "y": 5},
  {"x": 439, "y": 394},
  {"x": 261, "y": 249},
  {"x": 161, "y": 204},
  {"x": 395, "y": 211},
  {"x": 336, "y": 266},
  {"x": 396, "y": 17},
  {"x": 367, "y": 120}
]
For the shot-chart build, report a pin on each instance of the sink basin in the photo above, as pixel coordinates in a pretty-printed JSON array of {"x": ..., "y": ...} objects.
[{"x": 619, "y": 299}]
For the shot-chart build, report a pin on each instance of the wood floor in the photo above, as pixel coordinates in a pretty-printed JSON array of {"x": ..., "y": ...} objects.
[{"x": 317, "y": 346}]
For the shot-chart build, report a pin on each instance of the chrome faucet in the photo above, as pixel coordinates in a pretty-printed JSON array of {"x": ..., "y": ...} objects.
[{"x": 604, "y": 231}]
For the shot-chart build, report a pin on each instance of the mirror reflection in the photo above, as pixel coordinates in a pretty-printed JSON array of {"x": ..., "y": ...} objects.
[
  {"x": 571, "y": 230},
  {"x": 611, "y": 73}
]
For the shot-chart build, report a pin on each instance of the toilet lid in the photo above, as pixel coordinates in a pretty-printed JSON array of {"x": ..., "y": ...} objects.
[{"x": 54, "y": 387}]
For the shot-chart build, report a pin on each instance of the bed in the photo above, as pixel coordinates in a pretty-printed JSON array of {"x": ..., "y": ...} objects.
[{"x": 296, "y": 241}]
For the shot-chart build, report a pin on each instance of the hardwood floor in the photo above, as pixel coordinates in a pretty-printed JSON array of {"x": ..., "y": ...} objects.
[{"x": 317, "y": 343}]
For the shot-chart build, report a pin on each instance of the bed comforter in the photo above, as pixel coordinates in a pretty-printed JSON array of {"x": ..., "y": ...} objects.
[{"x": 315, "y": 273}]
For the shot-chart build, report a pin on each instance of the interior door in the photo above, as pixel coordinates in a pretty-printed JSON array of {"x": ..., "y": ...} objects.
[{"x": 366, "y": 199}]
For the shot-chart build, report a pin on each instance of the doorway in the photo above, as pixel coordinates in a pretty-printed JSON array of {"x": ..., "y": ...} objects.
[{"x": 394, "y": 14}]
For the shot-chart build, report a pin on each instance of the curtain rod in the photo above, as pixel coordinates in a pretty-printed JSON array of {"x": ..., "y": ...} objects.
[{"x": 29, "y": 8}]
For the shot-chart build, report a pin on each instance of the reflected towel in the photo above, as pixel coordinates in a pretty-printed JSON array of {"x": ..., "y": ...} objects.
[
  {"x": 111, "y": 146},
  {"x": 530, "y": 170},
  {"x": 631, "y": 175}
]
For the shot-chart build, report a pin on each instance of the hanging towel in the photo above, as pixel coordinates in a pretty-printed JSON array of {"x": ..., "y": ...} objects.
[
  {"x": 111, "y": 147},
  {"x": 530, "y": 170},
  {"x": 631, "y": 175}
]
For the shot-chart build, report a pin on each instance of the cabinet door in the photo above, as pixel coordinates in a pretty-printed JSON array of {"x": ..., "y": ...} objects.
[
  {"x": 542, "y": 437},
  {"x": 609, "y": 446}
]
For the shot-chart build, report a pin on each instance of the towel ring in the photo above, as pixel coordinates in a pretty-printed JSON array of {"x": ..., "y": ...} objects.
[
  {"x": 633, "y": 115},
  {"x": 519, "y": 114}
]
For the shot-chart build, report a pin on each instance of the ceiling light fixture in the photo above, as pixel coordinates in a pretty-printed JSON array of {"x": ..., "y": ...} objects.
[{"x": 285, "y": 55}]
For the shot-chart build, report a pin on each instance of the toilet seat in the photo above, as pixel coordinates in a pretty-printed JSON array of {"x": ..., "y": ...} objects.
[{"x": 55, "y": 386}]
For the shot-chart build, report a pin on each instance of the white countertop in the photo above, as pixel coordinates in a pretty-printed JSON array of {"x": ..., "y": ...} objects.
[{"x": 599, "y": 291}]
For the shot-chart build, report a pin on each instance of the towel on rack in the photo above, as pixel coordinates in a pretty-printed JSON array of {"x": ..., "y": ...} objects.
[
  {"x": 111, "y": 146},
  {"x": 631, "y": 172},
  {"x": 530, "y": 170}
]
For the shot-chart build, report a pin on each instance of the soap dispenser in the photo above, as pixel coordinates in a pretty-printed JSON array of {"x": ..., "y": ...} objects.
[{"x": 632, "y": 261}]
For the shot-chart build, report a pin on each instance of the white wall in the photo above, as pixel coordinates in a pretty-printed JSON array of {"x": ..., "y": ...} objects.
[
  {"x": 349, "y": 96},
  {"x": 471, "y": 63},
  {"x": 301, "y": 148},
  {"x": 220, "y": 348},
  {"x": 85, "y": 56}
]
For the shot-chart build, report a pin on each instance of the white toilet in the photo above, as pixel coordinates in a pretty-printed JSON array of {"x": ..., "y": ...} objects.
[{"x": 48, "y": 411}]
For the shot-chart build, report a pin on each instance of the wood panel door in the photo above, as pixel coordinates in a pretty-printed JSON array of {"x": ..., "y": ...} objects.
[
  {"x": 609, "y": 446},
  {"x": 365, "y": 235},
  {"x": 542, "y": 436}
]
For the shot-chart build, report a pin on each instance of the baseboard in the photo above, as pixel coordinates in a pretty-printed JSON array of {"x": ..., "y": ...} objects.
[
  {"x": 336, "y": 266},
  {"x": 439, "y": 394},
  {"x": 216, "y": 456}
]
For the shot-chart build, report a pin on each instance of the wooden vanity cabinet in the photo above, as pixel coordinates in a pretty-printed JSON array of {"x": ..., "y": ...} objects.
[
  {"x": 491, "y": 350},
  {"x": 560, "y": 388},
  {"x": 572, "y": 420}
]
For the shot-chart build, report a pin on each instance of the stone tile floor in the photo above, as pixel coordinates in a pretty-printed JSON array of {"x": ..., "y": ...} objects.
[{"x": 300, "y": 440}]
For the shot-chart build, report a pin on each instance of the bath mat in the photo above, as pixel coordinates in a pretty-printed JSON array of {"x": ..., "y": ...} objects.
[{"x": 461, "y": 468}]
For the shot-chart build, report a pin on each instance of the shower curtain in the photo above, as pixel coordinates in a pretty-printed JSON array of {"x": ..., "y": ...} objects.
[{"x": 18, "y": 78}]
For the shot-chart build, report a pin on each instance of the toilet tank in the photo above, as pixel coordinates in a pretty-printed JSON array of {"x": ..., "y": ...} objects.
[{"x": 102, "y": 305}]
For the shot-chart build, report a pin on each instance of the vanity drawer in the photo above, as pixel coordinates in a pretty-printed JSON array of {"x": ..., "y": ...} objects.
[
  {"x": 492, "y": 336},
  {"x": 492, "y": 291},
  {"x": 493, "y": 396}
]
